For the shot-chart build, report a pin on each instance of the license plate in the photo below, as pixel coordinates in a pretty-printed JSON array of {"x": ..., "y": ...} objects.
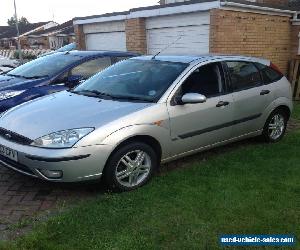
[{"x": 9, "y": 153}]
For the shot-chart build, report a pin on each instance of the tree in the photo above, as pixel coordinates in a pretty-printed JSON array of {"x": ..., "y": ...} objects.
[{"x": 22, "y": 21}]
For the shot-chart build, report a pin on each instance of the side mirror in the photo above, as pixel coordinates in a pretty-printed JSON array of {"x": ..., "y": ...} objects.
[
  {"x": 74, "y": 80},
  {"x": 193, "y": 98}
]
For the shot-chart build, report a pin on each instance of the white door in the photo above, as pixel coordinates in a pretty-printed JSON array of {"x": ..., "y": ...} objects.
[
  {"x": 191, "y": 29},
  {"x": 106, "y": 41}
]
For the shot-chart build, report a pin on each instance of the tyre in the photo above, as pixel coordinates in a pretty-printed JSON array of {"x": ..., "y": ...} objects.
[
  {"x": 130, "y": 167},
  {"x": 275, "y": 126}
]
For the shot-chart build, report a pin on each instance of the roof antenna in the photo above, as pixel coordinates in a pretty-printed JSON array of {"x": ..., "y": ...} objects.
[{"x": 168, "y": 46}]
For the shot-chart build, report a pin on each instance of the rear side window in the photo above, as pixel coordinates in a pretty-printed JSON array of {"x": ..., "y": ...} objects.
[
  {"x": 243, "y": 75},
  {"x": 91, "y": 67},
  {"x": 268, "y": 74},
  {"x": 119, "y": 58}
]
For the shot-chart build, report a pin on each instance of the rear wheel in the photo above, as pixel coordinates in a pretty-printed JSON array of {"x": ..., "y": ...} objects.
[
  {"x": 130, "y": 167},
  {"x": 275, "y": 126}
]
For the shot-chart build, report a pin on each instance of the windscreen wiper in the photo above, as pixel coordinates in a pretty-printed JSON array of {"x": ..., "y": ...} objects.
[
  {"x": 91, "y": 93},
  {"x": 14, "y": 75},
  {"x": 115, "y": 97},
  {"x": 133, "y": 98},
  {"x": 35, "y": 77}
]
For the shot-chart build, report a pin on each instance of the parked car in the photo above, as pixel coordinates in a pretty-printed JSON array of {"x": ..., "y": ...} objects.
[
  {"x": 52, "y": 73},
  {"x": 66, "y": 48},
  {"x": 125, "y": 120}
]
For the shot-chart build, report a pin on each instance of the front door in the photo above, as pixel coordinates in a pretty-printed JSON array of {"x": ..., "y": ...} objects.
[{"x": 198, "y": 125}]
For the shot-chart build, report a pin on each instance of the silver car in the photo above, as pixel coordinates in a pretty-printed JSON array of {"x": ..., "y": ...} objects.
[{"x": 126, "y": 120}]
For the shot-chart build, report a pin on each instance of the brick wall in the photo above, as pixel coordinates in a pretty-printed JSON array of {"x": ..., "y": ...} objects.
[
  {"x": 80, "y": 37},
  {"x": 259, "y": 35},
  {"x": 136, "y": 40}
]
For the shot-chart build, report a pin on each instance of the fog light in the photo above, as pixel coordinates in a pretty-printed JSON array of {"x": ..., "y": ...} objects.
[{"x": 52, "y": 174}]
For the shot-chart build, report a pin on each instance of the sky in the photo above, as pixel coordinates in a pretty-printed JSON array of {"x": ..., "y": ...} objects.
[{"x": 64, "y": 10}]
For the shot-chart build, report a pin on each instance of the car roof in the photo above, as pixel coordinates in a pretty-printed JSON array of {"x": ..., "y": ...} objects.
[
  {"x": 99, "y": 53},
  {"x": 202, "y": 58}
]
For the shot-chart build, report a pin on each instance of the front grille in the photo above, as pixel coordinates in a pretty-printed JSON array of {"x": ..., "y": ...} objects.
[
  {"x": 16, "y": 165},
  {"x": 14, "y": 137}
]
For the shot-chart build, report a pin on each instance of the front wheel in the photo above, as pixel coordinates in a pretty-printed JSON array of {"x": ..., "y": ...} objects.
[
  {"x": 130, "y": 167},
  {"x": 275, "y": 126}
]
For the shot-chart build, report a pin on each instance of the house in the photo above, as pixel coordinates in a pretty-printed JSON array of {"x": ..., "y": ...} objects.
[
  {"x": 262, "y": 28},
  {"x": 8, "y": 34},
  {"x": 52, "y": 38}
]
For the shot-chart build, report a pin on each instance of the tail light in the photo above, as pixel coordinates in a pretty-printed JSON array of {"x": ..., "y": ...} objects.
[{"x": 273, "y": 66}]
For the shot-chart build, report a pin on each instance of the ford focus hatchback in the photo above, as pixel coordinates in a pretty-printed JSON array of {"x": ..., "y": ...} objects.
[{"x": 123, "y": 122}]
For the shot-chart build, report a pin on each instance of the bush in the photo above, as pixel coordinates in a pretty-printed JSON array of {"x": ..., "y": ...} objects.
[{"x": 25, "y": 56}]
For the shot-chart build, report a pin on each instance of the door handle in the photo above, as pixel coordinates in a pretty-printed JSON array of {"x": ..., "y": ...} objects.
[
  {"x": 265, "y": 92},
  {"x": 222, "y": 104}
]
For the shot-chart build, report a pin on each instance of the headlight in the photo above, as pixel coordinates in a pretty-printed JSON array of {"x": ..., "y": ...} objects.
[
  {"x": 62, "y": 139},
  {"x": 9, "y": 94}
]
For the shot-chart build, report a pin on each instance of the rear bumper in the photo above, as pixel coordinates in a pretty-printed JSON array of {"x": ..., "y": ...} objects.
[{"x": 76, "y": 164}]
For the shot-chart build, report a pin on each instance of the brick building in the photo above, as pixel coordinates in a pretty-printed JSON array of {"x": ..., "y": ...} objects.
[
  {"x": 52, "y": 38},
  {"x": 262, "y": 28},
  {"x": 8, "y": 34}
]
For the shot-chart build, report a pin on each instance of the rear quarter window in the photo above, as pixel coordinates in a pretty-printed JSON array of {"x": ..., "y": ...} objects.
[{"x": 268, "y": 74}]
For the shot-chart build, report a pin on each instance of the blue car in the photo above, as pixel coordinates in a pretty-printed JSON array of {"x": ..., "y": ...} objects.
[{"x": 53, "y": 73}]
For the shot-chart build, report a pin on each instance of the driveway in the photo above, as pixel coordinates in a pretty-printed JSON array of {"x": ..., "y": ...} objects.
[{"x": 23, "y": 197}]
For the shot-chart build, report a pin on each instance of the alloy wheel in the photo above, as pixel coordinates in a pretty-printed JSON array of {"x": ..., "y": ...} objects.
[
  {"x": 133, "y": 168},
  {"x": 276, "y": 126}
]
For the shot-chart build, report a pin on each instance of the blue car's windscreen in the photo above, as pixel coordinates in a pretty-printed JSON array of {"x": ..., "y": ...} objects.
[
  {"x": 45, "y": 66},
  {"x": 134, "y": 79}
]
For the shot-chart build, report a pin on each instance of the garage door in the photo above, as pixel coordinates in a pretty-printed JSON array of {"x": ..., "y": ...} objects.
[
  {"x": 106, "y": 41},
  {"x": 191, "y": 29}
]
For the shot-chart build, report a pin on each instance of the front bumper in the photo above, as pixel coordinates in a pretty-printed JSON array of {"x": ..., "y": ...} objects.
[{"x": 76, "y": 164}]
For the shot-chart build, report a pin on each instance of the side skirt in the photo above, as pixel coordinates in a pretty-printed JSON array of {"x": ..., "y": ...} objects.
[{"x": 217, "y": 144}]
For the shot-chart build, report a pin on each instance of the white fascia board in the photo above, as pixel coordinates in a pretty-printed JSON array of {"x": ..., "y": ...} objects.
[
  {"x": 185, "y": 8},
  {"x": 256, "y": 9},
  {"x": 100, "y": 19}
]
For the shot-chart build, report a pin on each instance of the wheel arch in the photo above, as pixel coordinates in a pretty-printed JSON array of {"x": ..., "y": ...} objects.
[
  {"x": 147, "y": 139},
  {"x": 285, "y": 109},
  {"x": 282, "y": 103}
]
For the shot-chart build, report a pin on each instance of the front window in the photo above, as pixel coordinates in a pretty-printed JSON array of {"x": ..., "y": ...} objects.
[
  {"x": 144, "y": 80},
  {"x": 45, "y": 66},
  {"x": 208, "y": 80}
]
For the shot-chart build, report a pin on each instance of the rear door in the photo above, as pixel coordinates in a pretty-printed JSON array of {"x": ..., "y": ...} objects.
[{"x": 250, "y": 96}]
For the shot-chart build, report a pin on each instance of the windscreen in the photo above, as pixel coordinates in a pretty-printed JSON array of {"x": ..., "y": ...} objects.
[
  {"x": 134, "y": 79},
  {"x": 45, "y": 66}
]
